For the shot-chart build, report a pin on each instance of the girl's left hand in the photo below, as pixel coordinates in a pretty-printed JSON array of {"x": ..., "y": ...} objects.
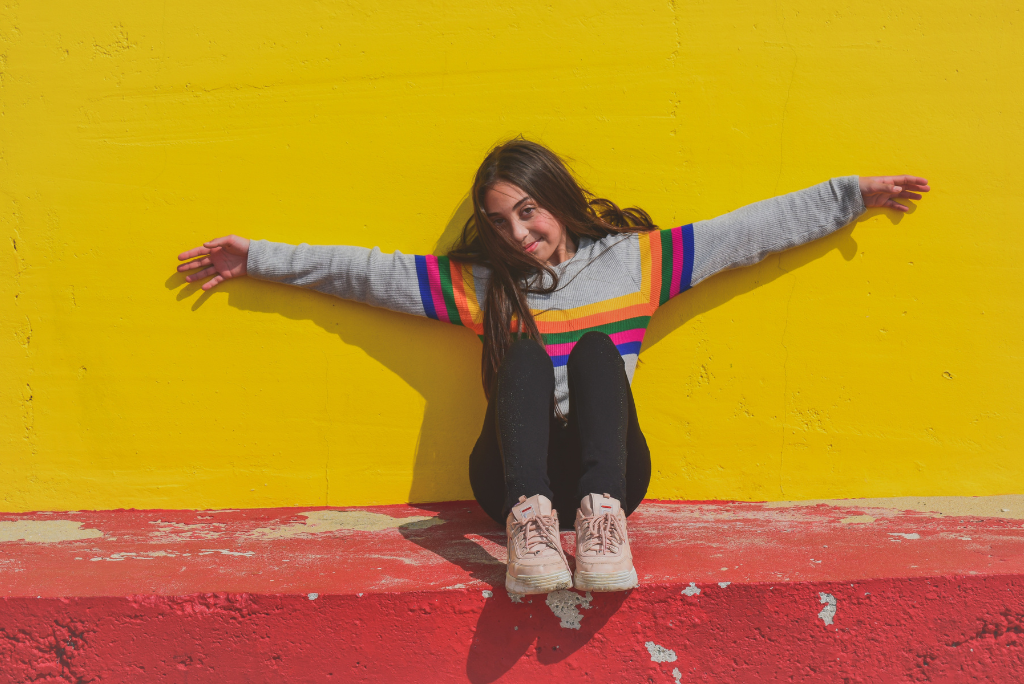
[{"x": 879, "y": 191}]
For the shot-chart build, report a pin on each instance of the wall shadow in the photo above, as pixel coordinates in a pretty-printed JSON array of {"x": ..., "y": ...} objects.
[
  {"x": 439, "y": 361},
  {"x": 727, "y": 285}
]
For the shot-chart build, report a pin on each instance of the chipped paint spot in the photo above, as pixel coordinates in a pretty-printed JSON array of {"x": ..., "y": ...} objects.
[
  {"x": 332, "y": 521},
  {"x": 313, "y": 597},
  {"x": 563, "y": 604},
  {"x": 515, "y": 598},
  {"x": 905, "y": 535},
  {"x": 829, "y": 611},
  {"x": 45, "y": 531},
  {"x": 660, "y": 654},
  {"x": 857, "y": 519},
  {"x": 691, "y": 590},
  {"x": 724, "y": 584},
  {"x": 487, "y": 594},
  {"x": 677, "y": 675}
]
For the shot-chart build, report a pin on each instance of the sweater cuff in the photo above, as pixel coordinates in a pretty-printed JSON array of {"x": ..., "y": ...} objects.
[
  {"x": 850, "y": 198},
  {"x": 255, "y": 261}
]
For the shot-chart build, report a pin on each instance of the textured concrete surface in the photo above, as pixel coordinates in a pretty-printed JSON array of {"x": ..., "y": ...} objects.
[
  {"x": 730, "y": 592},
  {"x": 881, "y": 361}
]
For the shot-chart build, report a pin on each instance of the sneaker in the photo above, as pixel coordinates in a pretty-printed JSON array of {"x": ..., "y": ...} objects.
[
  {"x": 603, "y": 559},
  {"x": 536, "y": 562}
]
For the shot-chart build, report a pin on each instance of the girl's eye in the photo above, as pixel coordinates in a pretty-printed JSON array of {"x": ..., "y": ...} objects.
[{"x": 527, "y": 211}]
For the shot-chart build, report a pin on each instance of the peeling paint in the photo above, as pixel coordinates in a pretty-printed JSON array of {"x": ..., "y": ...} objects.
[
  {"x": 723, "y": 585},
  {"x": 691, "y": 590},
  {"x": 487, "y": 594},
  {"x": 660, "y": 654},
  {"x": 515, "y": 598},
  {"x": 677, "y": 675},
  {"x": 313, "y": 596},
  {"x": 563, "y": 604},
  {"x": 857, "y": 519},
  {"x": 905, "y": 535},
  {"x": 829, "y": 611},
  {"x": 45, "y": 531},
  {"x": 1000, "y": 506},
  {"x": 331, "y": 521}
]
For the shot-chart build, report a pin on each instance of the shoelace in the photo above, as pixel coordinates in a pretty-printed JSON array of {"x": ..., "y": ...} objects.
[
  {"x": 541, "y": 531},
  {"x": 605, "y": 532}
]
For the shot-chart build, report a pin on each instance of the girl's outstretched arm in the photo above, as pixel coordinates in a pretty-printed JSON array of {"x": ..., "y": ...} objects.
[
  {"x": 747, "y": 235},
  {"x": 429, "y": 286}
]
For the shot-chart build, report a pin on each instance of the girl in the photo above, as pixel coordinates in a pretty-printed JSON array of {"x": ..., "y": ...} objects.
[{"x": 560, "y": 287}]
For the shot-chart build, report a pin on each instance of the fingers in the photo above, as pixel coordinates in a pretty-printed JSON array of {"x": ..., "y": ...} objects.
[
  {"x": 213, "y": 282},
  {"x": 219, "y": 242},
  {"x": 202, "y": 274},
  {"x": 889, "y": 204},
  {"x": 884, "y": 186},
  {"x": 192, "y": 253},
  {"x": 910, "y": 180},
  {"x": 198, "y": 263},
  {"x": 910, "y": 195}
]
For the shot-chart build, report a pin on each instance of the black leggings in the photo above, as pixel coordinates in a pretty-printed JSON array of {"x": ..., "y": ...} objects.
[{"x": 525, "y": 450}]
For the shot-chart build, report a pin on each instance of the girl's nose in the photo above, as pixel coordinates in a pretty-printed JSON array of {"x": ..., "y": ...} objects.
[{"x": 519, "y": 231}]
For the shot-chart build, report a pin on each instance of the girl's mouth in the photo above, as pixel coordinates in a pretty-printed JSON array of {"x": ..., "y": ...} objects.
[{"x": 532, "y": 246}]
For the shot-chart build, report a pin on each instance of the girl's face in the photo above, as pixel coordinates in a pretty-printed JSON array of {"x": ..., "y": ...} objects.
[{"x": 513, "y": 211}]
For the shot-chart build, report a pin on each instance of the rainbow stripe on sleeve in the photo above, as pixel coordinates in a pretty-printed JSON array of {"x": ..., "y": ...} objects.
[
  {"x": 444, "y": 292},
  {"x": 666, "y": 269}
]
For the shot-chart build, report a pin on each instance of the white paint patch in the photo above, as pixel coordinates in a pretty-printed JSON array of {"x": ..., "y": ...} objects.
[
  {"x": 912, "y": 535},
  {"x": 487, "y": 594},
  {"x": 829, "y": 611},
  {"x": 724, "y": 584},
  {"x": 515, "y": 598},
  {"x": 332, "y": 521},
  {"x": 313, "y": 597},
  {"x": 228, "y": 552},
  {"x": 691, "y": 590},
  {"x": 660, "y": 654},
  {"x": 677, "y": 675},
  {"x": 45, "y": 531},
  {"x": 563, "y": 604},
  {"x": 857, "y": 519}
]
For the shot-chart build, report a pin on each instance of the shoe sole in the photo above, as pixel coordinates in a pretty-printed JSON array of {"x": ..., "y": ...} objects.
[
  {"x": 538, "y": 584},
  {"x": 605, "y": 581}
]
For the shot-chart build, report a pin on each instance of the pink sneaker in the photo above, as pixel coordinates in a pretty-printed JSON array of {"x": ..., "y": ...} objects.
[
  {"x": 536, "y": 562},
  {"x": 603, "y": 559}
]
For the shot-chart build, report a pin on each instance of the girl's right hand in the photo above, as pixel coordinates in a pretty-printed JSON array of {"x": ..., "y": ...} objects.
[{"x": 223, "y": 258}]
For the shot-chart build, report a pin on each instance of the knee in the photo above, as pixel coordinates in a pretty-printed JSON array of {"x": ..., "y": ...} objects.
[
  {"x": 594, "y": 347},
  {"x": 526, "y": 353}
]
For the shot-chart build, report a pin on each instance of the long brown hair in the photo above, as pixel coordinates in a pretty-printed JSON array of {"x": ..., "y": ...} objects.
[{"x": 542, "y": 175}]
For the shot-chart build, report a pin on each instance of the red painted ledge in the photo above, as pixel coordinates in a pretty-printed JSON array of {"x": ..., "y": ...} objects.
[{"x": 730, "y": 592}]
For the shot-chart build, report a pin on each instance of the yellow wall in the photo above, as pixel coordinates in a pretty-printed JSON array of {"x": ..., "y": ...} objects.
[{"x": 884, "y": 360}]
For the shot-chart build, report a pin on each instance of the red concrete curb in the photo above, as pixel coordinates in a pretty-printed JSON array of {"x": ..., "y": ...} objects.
[{"x": 730, "y": 592}]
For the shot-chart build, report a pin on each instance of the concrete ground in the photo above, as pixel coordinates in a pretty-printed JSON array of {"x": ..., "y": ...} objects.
[{"x": 914, "y": 589}]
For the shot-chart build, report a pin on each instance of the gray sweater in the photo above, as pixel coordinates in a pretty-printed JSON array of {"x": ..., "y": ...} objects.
[{"x": 612, "y": 285}]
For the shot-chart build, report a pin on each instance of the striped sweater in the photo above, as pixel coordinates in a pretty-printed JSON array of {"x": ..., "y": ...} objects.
[{"x": 613, "y": 285}]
